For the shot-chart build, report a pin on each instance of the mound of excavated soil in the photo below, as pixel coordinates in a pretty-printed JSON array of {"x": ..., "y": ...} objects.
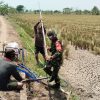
[{"x": 82, "y": 70}]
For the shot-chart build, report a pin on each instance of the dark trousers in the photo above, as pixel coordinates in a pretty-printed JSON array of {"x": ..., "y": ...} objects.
[
  {"x": 53, "y": 72},
  {"x": 12, "y": 85}
]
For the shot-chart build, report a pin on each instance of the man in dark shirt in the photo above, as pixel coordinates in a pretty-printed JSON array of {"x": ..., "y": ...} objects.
[
  {"x": 55, "y": 60},
  {"x": 7, "y": 70},
  {"x": 39, "y": 41}
]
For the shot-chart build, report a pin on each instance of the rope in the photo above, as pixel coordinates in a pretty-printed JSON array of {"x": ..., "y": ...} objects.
[
  {"x": 32, "y": 74},
  {"x": 28, "y": 74}
]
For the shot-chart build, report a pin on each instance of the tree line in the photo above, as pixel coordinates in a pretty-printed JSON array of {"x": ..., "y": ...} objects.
[{"x": 5, "y": 9}]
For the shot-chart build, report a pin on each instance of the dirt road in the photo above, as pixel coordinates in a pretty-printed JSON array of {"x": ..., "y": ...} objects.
[
  {"x": 3, "y": 30},
  {"x": 7, "y": 33}
]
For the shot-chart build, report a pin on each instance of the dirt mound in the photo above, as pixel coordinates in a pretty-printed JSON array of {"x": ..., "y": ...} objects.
[{"x": 82, "y": 70}]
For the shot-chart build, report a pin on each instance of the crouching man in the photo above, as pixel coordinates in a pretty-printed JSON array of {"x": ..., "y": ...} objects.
[{"x": 7, "y": 70}]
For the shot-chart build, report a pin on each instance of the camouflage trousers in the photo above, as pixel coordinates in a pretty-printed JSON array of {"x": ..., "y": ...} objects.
[{"x": 53, "y": 72}]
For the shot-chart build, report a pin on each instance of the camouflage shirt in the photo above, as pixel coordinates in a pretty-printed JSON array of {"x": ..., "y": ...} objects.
[{"x": 56, "y": 51}]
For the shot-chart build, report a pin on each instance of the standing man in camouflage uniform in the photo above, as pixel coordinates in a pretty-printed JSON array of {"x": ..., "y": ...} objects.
[
  {"x": 39, "y": 42},
  {"x": 55, "y": 60}
]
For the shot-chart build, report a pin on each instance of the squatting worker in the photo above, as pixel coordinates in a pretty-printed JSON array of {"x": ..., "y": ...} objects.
[{"x": 7, "y": 69}]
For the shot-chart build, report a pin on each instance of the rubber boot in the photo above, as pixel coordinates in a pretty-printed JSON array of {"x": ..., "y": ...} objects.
[{"x": 55, "y": 86}]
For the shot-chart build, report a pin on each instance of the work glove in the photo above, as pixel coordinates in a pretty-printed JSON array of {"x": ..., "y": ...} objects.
[{"x": 48, "y": 58}]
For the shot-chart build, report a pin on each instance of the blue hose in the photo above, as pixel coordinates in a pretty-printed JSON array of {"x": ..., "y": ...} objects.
[
  {"x": 23, "y": 66},
  {"x": 28, "y": 74}
]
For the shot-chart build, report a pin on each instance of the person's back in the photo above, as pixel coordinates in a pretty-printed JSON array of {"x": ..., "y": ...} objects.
[
  {"x": 6, "y": 70},
  {"x": 39, "y": 35},
  {"x": 39, "y": 41}
]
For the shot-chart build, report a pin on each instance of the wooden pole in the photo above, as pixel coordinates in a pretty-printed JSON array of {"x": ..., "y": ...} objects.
[{"x": 44, "y": 39}]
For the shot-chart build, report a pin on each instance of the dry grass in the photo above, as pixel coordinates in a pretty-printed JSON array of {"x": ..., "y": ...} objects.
[{"x": 82, "y": 30}]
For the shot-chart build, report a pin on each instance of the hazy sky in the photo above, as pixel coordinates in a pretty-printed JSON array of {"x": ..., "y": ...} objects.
[{"x": 54, "y": 4}]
